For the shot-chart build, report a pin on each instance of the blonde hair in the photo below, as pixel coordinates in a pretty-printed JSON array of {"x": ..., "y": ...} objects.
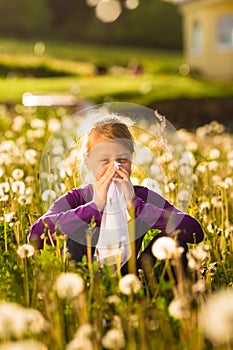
[{"x": 111, "y": 128}]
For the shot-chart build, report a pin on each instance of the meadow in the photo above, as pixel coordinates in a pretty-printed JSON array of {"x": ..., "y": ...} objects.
[
  {"x": 100, "y": 73},
  {"x": 47, "y": 301}
]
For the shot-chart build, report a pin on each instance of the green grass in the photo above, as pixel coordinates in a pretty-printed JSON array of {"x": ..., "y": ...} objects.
[
  {"x": 123, "y": 88},
  {"x": 74, "y": 69}
]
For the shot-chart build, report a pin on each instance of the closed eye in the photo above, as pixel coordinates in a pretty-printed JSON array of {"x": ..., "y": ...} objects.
[{"x": 122, "y": 160}]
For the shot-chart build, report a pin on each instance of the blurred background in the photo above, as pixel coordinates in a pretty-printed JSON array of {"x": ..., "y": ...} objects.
[{"x": 155, "y": 53}]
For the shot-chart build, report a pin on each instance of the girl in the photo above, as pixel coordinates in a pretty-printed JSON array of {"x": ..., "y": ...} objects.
[{"x": 108, "y": 156}]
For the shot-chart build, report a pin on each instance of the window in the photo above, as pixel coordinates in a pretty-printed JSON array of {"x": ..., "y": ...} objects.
[
  {"x": 197, "y": 37},
  {"x": 224, "y": 30}
]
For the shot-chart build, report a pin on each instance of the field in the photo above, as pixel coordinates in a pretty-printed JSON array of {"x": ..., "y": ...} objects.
[
  {"x": 96, "y": 73},
  {"x": 47, "y": 302}
]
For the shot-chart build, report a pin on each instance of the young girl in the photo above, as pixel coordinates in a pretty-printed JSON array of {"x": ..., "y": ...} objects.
[{"x": 108, "y": 156}]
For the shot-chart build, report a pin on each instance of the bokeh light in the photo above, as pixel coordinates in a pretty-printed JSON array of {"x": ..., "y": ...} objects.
[
  {"x": 131, "y": 4},
  {"x": 92, "y": 3},
  {"x": 108, "y": 11}
]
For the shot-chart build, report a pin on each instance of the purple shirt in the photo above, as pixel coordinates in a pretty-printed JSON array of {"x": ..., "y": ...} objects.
[{"x": 73, "y": 212}]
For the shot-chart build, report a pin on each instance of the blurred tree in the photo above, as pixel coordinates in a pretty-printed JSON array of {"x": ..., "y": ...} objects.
[
  {"x": 24, "y": 18},
  {"x": 154, "y": 23}
]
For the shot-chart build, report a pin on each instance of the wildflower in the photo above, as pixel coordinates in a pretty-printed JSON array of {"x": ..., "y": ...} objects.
[
  {"x": 129, "y": 284},
  {"x": 216, "y": 317},
  {"x": 17, "y": 174},
  {"x": 204, "y": 205},
  {"x": 12, "y": 320},
  {"x": 53, "y": 124},
  {"x": 18, "y": 123},
  {"x": 25, "y": 251},
  {"x": 69, "y": 285},
  {"x": 82, "y": 339},
  {"x": 77, "y": 344},
  {"x": 8, "y": 217},
  {"x": 199, "y": 287},
  {"x": 2, "y": 171},
  {"x": 185, "y": 170},
  {"x": 113, "y": 299},
  {"x": 34, "y": 321},
  {"x": 152, "y": 184},
  {"x": 180, "y": 308},
  {"x": 24, "y": 199},
  {"x": 48, "y": 195},
  {"x": 4, "y": 188},
  {"x": 114, "y": 339},
  {"x": 155, "y": 169},
  {"x": 18, "y": 187},
  {"x": 202, "y": 167},
  {"x": 214, "y": 153},
  {"x": 213, "y": 165},
  {"x": 216, "y": 202},
  {"x": 196, "y": 256},
  {"x": 38, "y": 123},
  {"x": 17, "y": 321},
  {"x": 28, "y": 344},
  {"x": 164, "y": 248},
  {"x": 84, "y": 331},
  {"x": 30, "y": 156},
  {"x": 184, "y": 196}
]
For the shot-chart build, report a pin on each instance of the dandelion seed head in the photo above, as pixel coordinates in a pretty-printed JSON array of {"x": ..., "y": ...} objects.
[
  {"x": 179, "y": 308},
  {"x": 113, "y": 299},
  {"x": 25, "y": 251},
  {"x": 37, "y": 123},
  {"x": 8, "y": 217},
  {"x": 49, "y": 195},
  {"x": 69, "y": 285},
  {"x": 30, "y": 156},
  {"x": 213, "y": 165},
  {"x": 18, "y": 123},
  {"x": 80, "y": 344},
  {"x": 114, "y": 339},
  {"x": 129, "y": 284},
  {"x": 17, "y": 174},
  {"x": 152, "y": 184},
  {"x": 18, "y": 187},
  {"x": 199, "y": 287},
  {"x": 164, "y": 248},
  {"x": 217, "y": 315}
]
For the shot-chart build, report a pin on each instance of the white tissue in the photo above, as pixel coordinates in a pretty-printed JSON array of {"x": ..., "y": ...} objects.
[{"x": 113, "y": 246}]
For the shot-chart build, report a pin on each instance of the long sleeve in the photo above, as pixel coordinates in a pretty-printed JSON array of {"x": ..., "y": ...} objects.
[
  {"x": 71, "y": 213},
  {"x": 153, "y": 211}
]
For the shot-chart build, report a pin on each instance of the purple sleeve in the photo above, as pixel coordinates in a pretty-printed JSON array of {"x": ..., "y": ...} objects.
[
  {"x": 70, "y": 214},
  {"x": 155, "y": 212}
]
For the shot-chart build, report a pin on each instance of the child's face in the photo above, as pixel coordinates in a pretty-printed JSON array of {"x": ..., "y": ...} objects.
[{"x": 105, "y": 152}]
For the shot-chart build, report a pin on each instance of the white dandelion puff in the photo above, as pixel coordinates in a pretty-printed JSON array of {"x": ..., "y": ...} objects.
[
  {"x": 179, "y": 308},
  {"x": 49, "y": 195},
  {"x": 114, "y": 339},
  {"x": 17, "y": 174},
  {"x": 129, "y": 284},
  {"x": 214, "y": 153},
  {"x": 30, "y": 156},
  {"x": 164, "y": 248},
  {"x": 25, "y": 251},
  {"x": 113, "y": 299},
  {"x": 69, "y": 285},
  {"x": 216, "y": 317},
  {"x": 37, "y": 123},
  {"x": 18, "y": 187}
]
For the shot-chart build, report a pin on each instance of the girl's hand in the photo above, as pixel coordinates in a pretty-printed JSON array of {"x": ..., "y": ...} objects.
[
  {"x": 126, "y": 184},
  {"x": 102, "y": 181}
]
